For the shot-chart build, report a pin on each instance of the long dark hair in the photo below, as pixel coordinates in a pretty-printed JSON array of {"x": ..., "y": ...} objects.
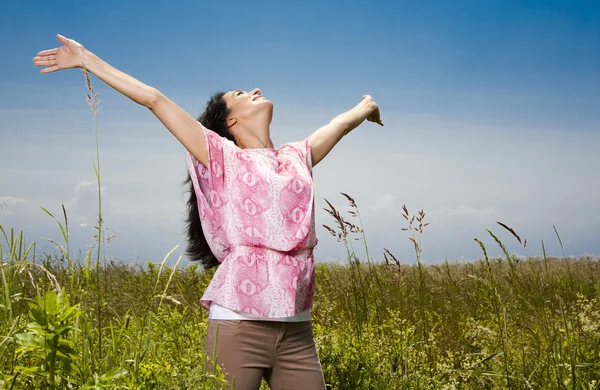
[{"x": 214, "y": 118}]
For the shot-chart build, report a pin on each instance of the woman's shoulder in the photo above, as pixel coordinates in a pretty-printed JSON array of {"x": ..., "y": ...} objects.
[{"x": 300, "y": 149}]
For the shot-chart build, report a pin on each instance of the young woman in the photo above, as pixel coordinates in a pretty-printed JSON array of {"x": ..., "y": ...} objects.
[{"x": 250, "y": 212}]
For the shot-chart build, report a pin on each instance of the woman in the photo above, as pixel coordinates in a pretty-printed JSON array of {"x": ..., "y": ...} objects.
[{"x": 251, "y": 212}]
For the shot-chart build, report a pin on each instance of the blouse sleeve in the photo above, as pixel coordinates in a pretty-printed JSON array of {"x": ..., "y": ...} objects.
[
  {"x": 209, "y": 184},
  {"x": 209, "y": 179},
  {"x": 302, "y": 149}
]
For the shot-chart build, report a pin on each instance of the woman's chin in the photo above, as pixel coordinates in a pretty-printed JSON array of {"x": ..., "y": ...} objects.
[
  {"x": 266, "y": 105},
  {"x": 262, "y": 101}
]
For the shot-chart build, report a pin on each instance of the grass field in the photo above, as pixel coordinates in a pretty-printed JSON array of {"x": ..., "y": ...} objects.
[{"x": 495, "y": 323}]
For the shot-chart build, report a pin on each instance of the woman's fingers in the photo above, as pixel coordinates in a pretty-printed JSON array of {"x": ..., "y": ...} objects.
[
  {"x": 49, "y": 70},
  {"x": 48, "y": 61},
  {"x": 48, "y": 58},
  {"x": 62, "y": 39},
  {"x": 375, "y": 117},
  {"x": 44, "y": 62},
  {"x": 378, "y": 117},
  {"x": 48, "y": 52},
  {"x": 44, "y": 58}
]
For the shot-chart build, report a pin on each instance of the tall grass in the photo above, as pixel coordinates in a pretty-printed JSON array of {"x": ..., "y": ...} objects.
[
  {"x": 505, "y": 323},
  {"x": 489, "y": 324}
]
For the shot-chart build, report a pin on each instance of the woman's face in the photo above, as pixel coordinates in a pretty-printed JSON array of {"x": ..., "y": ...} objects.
[{"x": 247, "y": 107}]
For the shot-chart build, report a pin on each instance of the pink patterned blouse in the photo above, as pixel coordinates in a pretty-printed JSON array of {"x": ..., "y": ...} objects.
[{"x": 257, "y": 213}]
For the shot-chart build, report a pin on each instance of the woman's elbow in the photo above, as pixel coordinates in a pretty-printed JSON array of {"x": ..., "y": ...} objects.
[{"x": 153, "y": 98}]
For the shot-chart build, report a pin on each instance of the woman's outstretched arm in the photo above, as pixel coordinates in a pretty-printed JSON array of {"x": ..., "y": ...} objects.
[
  {"x": 324, "y": 139},
  {"x": 183, "y": 126}
]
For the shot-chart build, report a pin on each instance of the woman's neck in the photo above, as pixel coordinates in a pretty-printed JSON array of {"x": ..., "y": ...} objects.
[{"x": 254, "y": 139}]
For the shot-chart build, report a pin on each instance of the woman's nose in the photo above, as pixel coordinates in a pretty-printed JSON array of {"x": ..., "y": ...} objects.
[{"x": 255, "y": 91}]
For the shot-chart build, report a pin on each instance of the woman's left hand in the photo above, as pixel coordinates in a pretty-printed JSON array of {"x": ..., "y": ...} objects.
[{"x": 375, "y": 116}]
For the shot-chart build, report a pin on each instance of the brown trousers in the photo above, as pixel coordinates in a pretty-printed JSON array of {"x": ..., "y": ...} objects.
[{"x": 283, "y": 353}]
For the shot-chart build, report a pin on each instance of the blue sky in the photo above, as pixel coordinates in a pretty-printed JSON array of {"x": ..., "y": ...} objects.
[{"x": 492, "y": 112}]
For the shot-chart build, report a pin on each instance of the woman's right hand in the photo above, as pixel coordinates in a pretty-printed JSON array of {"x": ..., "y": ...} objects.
[
  {"x": 374, "y": 116},
  {"x": 65, "y": 57}
]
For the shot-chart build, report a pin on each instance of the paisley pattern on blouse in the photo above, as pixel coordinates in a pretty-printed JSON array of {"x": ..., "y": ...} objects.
[{"x": 257, "y": 212}]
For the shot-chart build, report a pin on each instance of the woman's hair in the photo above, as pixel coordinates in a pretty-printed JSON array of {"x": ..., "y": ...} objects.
[{"x": 214, "y": 118}]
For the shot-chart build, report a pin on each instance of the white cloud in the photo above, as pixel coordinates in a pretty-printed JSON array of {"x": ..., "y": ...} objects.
[
  {"x": 83, "y": 205},
  {"x": 448, "y": 215},
  {"x": 384, "y": 203},
  {"x": 7, "y": 203}
]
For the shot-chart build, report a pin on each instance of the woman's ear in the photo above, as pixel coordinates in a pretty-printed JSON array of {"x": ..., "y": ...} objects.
[{"x": 231, "y": 121}]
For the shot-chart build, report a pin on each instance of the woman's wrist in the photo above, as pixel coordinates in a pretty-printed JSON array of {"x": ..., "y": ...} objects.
[
  {"x": 121, "y": 82},
  {"x": 363, "y": 110},
  {"x": 87, "y": 58}
]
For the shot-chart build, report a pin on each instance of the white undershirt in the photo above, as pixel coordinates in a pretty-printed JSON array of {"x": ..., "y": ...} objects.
[{"x": 218, "y": 312}]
